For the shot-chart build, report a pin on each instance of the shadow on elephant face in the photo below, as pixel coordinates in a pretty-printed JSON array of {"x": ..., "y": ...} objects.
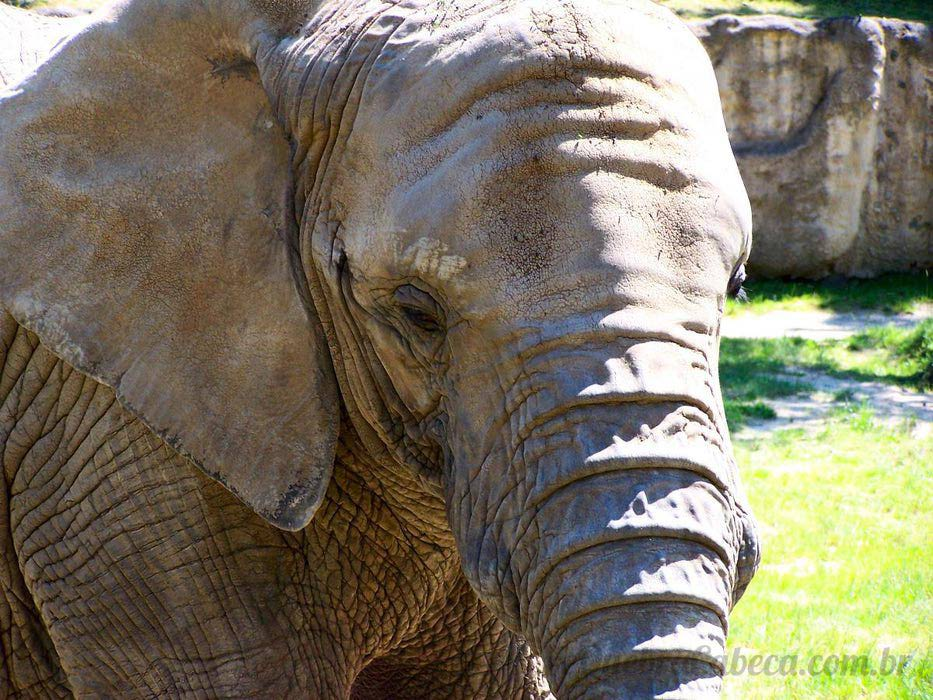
[
  {"x": 486, "y": 182},
  {"x": 212, "y": 208},
  {"x": 497, "y": 238}
]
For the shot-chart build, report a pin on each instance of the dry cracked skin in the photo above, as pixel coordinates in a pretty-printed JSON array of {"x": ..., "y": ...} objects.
[{"x": 367, "y": 349}]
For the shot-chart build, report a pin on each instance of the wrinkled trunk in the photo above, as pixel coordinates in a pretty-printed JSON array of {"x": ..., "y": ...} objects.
[
  {"x": 630, "y": 570},
  {"x": 629, "y": 549},
  {"x": 630, "y": 589}
]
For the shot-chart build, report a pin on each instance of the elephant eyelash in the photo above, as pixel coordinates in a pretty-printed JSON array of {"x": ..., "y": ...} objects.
[
  {"x": 735, "y": 289},
  {"x": 422, "y": 320},
  {"x": 419, "y": 308}
]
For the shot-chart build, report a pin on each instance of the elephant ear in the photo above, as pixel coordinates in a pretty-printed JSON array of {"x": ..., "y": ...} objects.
[{"x": 148, "y": 237}]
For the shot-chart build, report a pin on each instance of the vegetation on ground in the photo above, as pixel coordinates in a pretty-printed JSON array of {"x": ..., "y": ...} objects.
[
  {"x": 892, "y": 293},
  {"x": 750, "y": 372},
  {"x": 813, "y": 9},
  {"x": 904, "y": 354},
  {"x": 847, "y": 566},
  {"x": 844, "y": 509},
  {"x": 753, "y": 370}
]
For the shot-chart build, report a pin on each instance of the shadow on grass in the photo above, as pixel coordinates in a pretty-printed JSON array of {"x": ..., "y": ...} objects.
[
  {"x": 918, "y": 10},
  {"x": 754, "y": 370},
  {"x": 914, "y": 381},
  {"x": 749, "y": 373},
  {"x": 750, "y": 370},
  {"x": 911, "y": 9},
  {"x": 763, "y": 368},
  {"x": 892, "y": 293},
  {"x": 739, "y": 413}
]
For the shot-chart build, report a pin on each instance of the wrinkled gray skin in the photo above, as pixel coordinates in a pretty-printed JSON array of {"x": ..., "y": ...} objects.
[{"x": 346, "y": 346}]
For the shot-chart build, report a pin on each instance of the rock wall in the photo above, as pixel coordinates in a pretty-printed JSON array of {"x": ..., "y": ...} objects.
[
  {"x": 26, "y": 39},
  {"x": 832, "y": 126}
]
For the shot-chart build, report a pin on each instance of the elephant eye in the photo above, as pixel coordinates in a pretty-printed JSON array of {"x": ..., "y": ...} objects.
[
  {"x": 735, "y": 290},
  {"x": 419, "y": 308}
]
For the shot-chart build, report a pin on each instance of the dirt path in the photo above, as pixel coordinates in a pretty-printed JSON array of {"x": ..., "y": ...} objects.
[
  {"x": 817, "y": 325},
  {"x": 809, "y": 410}
]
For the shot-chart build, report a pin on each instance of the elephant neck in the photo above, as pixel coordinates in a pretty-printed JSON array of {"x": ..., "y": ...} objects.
[{"x": 380, "y": 556}]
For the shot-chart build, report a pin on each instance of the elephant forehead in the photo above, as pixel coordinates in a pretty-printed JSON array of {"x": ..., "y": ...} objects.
[
  {"x": 450, "y": 60},
  {"x": 520, "y": 143},
  {"x": 466, "y": 108},
  {"x": 554, "y": 237}
]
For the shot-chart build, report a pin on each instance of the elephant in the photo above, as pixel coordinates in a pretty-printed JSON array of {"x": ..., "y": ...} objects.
[{"x": 368, "y": 349}]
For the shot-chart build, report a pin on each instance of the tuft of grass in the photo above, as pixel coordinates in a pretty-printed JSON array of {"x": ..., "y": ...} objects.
[
  {"x": 761, "y": 368},
  {"x": 812, "y": 9},
  {"x": 905, "y": 354},
  {"x": 859, "y": 417},
  {"x": 912, "y": 349},
  {"x": 918, "y": 348},
  {"x": 844, "y": 396},
  {"x": 847, "y": 561},
  {"x": 892, "y": 293},
  {"x": 738, "y": 413}
]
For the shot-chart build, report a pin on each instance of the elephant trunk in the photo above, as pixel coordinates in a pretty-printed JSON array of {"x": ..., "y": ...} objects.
[
  {"x": 632, "y": 548},
  {"x": 635, "y": 602}
]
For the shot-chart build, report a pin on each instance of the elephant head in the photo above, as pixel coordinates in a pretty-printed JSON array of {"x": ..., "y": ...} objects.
[{"x": 496, "y": 237}]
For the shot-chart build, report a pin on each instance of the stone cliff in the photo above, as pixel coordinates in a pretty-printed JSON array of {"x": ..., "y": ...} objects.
[{"x": 832, "y": 126}]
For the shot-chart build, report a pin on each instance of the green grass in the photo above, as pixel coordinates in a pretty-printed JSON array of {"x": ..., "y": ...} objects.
[
  {"x": 891, "y": 293},
  {"x": 815, "y": 9},
  {"x": 906, "y": 353},
  {"x": 740, "y": 412},
  {"x": 749, "y": 371},
  {"x": 847, "y": 563},
  {"x": 845, "y": 512},
  {"x": 752, "y": 369}
]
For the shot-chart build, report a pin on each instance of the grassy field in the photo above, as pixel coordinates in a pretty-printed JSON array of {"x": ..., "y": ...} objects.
[
  {"x": 893, "y": 293},
  {"x": 692, "y": 9},
  {"x": 844, "y": 509},
  {"x": 847, "y": 561},
  {"x": 752, "y": 369}
]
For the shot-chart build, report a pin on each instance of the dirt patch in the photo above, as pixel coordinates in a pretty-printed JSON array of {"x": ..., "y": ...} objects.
[
  {"x": 809, "y": 410},
  {"x": 816, "y": 325},
  {"x": 892, "y": 405}
]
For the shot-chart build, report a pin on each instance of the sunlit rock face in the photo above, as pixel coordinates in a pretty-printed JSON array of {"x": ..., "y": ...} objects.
[
  {"x": 27, "y": 40},
  {"x": 830, "y": 122}
]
